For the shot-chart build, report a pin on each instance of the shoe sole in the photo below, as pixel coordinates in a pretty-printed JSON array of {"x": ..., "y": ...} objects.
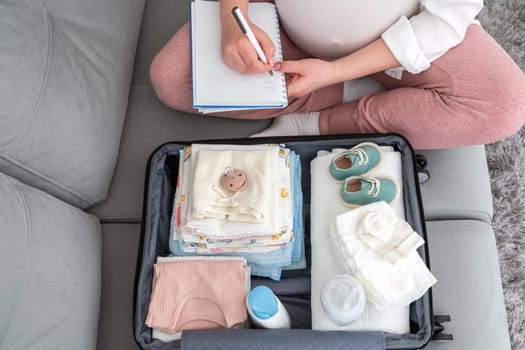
[{"x": 392, "y": 202}]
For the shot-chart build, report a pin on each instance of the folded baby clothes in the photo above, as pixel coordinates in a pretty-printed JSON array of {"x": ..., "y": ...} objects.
[
  {"x": 197, "y": 293},
  {"x": 260, "y": 244},
  {"x": 268, "y": 252},
  {"x": 279, "y": 217},
  {"x": 386, "y": 235},
  {"x": 169, "y": 337},
  {"x": 385, "y": 261},
  {"x": 297, "y": 207},
  {"x": 229, "y": 236},
  {"x": 268, "y": 264},
  {"x": 252, "y": 203},
  {"x": 168, "y": 259},
  {"x": 324, "y": 190}
]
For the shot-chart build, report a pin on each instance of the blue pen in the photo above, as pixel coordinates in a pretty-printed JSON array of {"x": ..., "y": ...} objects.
[{"x": 249, "y": 34}]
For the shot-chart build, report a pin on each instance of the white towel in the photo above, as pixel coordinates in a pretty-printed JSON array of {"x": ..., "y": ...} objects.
[
  {"x": 325, "y": 206},
  {"x": 387, "y": 284}
]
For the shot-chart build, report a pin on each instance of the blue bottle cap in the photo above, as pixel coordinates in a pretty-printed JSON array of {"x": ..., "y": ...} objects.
[{"x": 262, "y": 302}]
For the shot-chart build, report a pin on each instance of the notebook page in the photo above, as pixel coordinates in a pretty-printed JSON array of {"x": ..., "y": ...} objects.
[{"x": 217, "y": 86}]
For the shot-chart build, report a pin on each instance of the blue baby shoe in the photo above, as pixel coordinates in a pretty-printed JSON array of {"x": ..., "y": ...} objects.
[
  {"x": 362, "y": 190},
  {"x": 359, "y": 160}
]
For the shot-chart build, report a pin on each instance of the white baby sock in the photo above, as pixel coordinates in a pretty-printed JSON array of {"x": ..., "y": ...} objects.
[{"x": 292, "y": 125}]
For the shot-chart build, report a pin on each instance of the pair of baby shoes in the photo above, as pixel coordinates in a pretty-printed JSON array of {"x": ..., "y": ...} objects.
[{"x": 352, "y": 168}]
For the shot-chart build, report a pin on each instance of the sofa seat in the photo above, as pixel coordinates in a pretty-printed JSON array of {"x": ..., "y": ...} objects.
[
  {"x": 50, "y": 255},
  {"x": 464, "y": 259},
  {"x": 459, "y": 184}
]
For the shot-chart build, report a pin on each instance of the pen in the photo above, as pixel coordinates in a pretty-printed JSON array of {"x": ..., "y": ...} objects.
[{"x": 249, "y": 34}]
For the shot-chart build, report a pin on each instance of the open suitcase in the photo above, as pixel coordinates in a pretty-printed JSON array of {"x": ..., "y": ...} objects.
[{"x": 294, "y": 287}]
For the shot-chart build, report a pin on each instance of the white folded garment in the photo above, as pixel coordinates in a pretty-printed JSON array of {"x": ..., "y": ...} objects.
[
  {"x": 281, "y": 216},
  {"x": 252, "y": 204},
  {"x": 325, "y": 206},
  {"x": 397, "y": 280},
  {"x": 385, "y": 234}
]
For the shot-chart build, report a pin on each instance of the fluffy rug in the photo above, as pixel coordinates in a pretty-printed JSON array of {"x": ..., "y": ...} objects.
[{"x": 505, "y": 21}]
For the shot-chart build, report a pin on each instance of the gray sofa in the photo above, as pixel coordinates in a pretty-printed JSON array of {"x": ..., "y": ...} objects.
[{"x": 79, "y": 119}]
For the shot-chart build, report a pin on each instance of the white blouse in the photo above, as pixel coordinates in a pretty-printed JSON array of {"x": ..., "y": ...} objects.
[{"x": 416, "y": 31}]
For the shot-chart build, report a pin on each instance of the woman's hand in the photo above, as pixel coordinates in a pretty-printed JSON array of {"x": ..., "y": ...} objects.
[
  {"x": 306, "y": 75},
  {"x": 239, "y": 54}
]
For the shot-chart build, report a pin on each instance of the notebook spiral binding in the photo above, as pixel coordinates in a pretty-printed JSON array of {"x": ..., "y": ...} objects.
[{"x": 279, "y": 55}]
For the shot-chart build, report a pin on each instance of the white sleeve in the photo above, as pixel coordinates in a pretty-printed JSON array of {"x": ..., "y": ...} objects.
[{"x": 440, "y": 25}]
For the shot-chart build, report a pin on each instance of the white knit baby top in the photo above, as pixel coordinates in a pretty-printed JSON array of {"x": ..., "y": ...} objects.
[{"x": 252, "y": 204}]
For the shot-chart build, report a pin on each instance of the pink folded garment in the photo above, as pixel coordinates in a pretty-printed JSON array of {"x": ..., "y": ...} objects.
[{"x": 197, "y": 294}]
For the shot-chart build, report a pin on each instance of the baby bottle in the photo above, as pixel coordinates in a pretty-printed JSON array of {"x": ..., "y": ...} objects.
[
  {"x": 266, "y": 310},
  {"x": 343, "y": 299}
]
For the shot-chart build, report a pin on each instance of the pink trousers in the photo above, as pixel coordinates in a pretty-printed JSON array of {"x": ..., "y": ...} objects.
[{"x": 473, "y": 94}]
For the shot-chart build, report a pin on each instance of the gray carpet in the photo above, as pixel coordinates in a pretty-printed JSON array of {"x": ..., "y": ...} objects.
[{"x": 505, "y": 20}]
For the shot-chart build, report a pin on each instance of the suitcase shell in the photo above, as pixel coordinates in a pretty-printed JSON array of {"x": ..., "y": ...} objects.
[{"x": 294, "y": 288}]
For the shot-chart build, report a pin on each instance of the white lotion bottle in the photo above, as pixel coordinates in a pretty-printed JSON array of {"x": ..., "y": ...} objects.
[{"x": 266, "y": 310}]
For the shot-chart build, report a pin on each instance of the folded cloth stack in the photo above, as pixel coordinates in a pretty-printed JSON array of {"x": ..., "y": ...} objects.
[
  {"x": 197, "y": 293},
  {"x": 379, "y": 249},
  {"x": 260, "y": 219}
]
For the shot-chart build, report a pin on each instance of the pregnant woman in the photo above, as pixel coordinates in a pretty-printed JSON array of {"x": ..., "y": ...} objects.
[{"x": 423, "y": 69}]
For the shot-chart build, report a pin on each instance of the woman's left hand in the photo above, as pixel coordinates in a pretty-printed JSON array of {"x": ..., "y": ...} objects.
[{"x": 306, "y": 75}]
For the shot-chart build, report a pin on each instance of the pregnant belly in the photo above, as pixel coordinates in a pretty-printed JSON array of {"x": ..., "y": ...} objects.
[{"x": 331, "y": 29}]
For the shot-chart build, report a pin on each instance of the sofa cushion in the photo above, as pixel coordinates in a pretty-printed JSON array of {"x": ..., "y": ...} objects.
[
  {"x": 50, "y": 256},
  {"x": 459, "y": 184},
  {"x": 65, "y": 72},
  {"x": 464, "y": 259}
]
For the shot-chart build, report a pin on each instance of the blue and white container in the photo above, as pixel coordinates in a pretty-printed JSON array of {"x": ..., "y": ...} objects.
[
  {"x": 343, "y": 299},
  {"x": 266, "y": 310}
]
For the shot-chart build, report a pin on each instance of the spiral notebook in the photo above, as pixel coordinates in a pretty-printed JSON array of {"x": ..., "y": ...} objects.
[{"x": 216, "y": 87}]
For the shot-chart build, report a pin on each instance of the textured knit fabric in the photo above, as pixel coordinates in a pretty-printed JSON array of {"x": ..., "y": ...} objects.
[
  {"x": 252, "y": 204},
  {"x": 458, "y": 101},
  {"x": 169, "y": 337},
  {"x": 197, "y": 294},
  {"x": 279, "y": 216},
  {"x": 388, "y": 236},
  {"x": 387, "y": 284}
]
